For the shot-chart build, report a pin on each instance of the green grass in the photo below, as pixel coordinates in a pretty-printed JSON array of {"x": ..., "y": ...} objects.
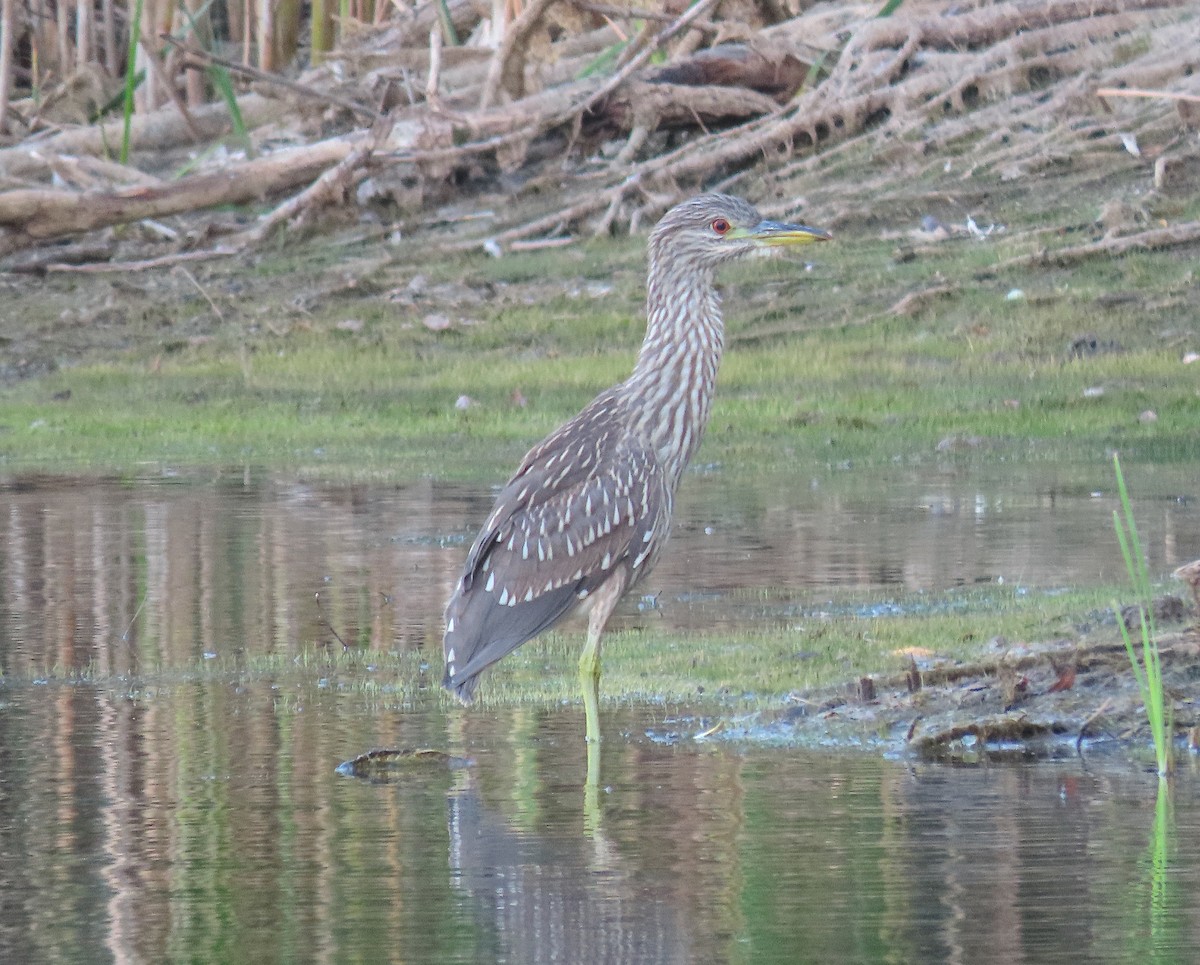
[
  {"x": 757, "y": 665},
  {"x": 382, "y": 400},
  {"x": 1146, "y": 663},
  {"x": 717, "y": 670},
  {"x": 817, "y": 370}
]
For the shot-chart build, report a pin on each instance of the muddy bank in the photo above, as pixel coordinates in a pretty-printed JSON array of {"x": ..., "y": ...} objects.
[{"x": 1050, "y": 699}]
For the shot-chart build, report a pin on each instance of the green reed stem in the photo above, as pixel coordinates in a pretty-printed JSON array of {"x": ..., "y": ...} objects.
[
  {"x": 131, "y": 78},
  {"x": 1148, "y": 667}
]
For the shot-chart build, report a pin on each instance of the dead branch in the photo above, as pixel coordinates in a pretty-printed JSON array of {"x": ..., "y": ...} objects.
[
  {"x": 552, "y": 222},
  {"x": 657, "y": 105},
  {"x": 1155, "y": 94},
  {"x": 508, "y": 63},
  {"x": 123, "y": 267},
  {"x": 1154, "y": 240},
  {"x": 541, "y": 244},
  {"x": 643, "y": 57},
  {"x": 623, "y": 13},
  {"x": 27, "y": 216},
  {"x": 62, "y": 258},
  {"x": 157, "y": 130},
  {"x": 91, "y": 173},
  {"x": 329, "y": 188},
  {"x": 918, "y": 301},
  {"x": 159, "y": 72},
  {"x": 914, "y": 87}
]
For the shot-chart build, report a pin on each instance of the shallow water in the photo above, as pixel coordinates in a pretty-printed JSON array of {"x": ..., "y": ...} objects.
[
  {"x": 202, "y": 824},
  {"x": 109, "y": 575},
  {"x": 161, "y": 802}
]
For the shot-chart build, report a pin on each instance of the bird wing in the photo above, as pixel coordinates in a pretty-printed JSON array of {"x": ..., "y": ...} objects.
[{"x": 584, "y": 503}]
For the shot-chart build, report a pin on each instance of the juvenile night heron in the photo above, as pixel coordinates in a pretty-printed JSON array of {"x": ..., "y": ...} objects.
[{"x": 587, "y": 513}]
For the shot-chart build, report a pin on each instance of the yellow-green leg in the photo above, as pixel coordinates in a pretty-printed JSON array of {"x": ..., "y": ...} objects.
[
  {"x": 602, "y": 603},
  {"x": 589, "y": 681}
]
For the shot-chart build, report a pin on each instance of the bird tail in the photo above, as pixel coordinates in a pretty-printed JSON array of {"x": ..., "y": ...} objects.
[{"x": 463, "y": 687}]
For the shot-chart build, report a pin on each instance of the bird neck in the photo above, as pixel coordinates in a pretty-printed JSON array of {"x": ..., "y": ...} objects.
[{"x": 676, "y": 371}]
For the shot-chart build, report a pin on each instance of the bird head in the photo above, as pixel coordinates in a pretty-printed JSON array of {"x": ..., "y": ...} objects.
[{"x": 714, "y": 228}]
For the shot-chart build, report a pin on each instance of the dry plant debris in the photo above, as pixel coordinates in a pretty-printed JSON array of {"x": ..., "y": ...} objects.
[{"x": 567, "y": 112}]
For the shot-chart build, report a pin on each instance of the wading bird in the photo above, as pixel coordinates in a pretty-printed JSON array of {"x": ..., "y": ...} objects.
[{"x": 587, "y": 513}]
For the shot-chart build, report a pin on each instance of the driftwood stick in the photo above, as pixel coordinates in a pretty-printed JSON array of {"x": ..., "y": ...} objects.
[
  {"x": 163, "y": 261},
  {"x": 31, "y": 215},
  {"x": 328, "y": 188},
  {"x": 623, "y": 13},
  {"x": 643, "y": 57},
  {"x": 1136, "y": 92},
  {"x": 159, "y": 130},
  {"x": 511, "y": 49},
  {"x": 1153, "y": 240}
]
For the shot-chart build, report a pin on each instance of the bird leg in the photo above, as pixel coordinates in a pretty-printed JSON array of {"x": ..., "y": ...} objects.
[
  {"x": 589, "y": 679},
  {"x": 600, "y": 608}
]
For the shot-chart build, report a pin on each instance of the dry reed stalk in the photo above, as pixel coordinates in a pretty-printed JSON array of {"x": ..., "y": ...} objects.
[
  {"x": 286, "y": 38},
  {"x": 148, "y": 96},
  {"x": 84, "y": 31},
  {"x": 43, "y": 42},
  {"x": 7, "y": 18},
  {"x": 265, "y": 32},
  {"x": 1153, "y": 94},
  {"x": 322, "y": 30},
  {"x": 62, "y": 20},
  {"x": 247, "y": 25},
  {"x": 110, "y": 62},
  {"x": 435, "y": 67},
  {"x": 161, "y": 74},
  {"x": 163, "y": 22},
  {"x": 202, "y": 36}
]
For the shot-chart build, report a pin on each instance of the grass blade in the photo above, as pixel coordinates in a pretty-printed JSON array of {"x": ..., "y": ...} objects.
[
  {"x": 1147, "y": 666},
  {"x": 131, "y": 77}
]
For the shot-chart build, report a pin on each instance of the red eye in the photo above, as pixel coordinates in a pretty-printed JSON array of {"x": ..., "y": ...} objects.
[{"x": 720, "y": 226}]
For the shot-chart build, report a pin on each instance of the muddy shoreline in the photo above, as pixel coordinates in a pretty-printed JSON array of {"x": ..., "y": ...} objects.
[{"x": 1051, "y": 699}]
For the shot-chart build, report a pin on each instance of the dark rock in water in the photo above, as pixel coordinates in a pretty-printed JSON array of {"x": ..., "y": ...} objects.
[{"x": 385, "y": 761}]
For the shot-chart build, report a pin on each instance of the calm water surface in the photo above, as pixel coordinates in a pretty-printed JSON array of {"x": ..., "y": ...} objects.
[{"x": 168, "y": 793}]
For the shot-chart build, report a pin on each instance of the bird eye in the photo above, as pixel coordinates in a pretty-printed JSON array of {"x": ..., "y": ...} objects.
[{"x": 720, "y": 226}]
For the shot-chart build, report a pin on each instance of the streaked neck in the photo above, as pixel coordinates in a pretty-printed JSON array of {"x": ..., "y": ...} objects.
[{"x": 676, "y": 371}]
